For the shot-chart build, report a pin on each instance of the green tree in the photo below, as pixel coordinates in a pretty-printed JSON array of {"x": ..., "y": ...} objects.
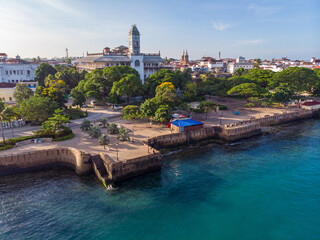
[
  {"x": 261, "y": 77},
  {"x": 240, "y": 71},
  {"x": 94, "y": 132},
  {"x": 257, "y": 63},
  {"x": 78, "y": 97},
  {"x": 56, "y": 90},
  {"x": 2, "y": 118},
  {"x": 190, "y": 93},
  {"x": 42, "y": 72},
  {"x": 104, "y": 140},
  {"x": 206, "y": 107},
  {"x": 282, "y": 95},
  {"x": 163, "y": 113},
  {"x": 22, "y": 92},
  {"x": 113, "y": 128},
  {"x": 123, "y": 134},
  {"x": 148, "y": 108},
  {"x": 296, "y": 79},
  {"x": 85, "y": 125},
  {"x": 9, "y": 115},
  {"x": 38, "y": 108},
  {"x": 54, "y": 124},
  {"x": 103, "y": 122},
  {"x": 247, "y": 90},
  {"x": 131, "y": 112},
  {"x": 128, "y": 86},
  {"x": 166, "y": 94}
]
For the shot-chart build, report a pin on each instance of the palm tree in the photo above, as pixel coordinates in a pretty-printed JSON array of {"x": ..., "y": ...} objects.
[
  {"x": 123, "y": 134},
  {"x": 103, "y": 122},
  {"x": 9, "y": 115},
  {"x": 113, "y": 128},
  {"x": 2, "y": 118},
  {"x": 104, "y": 140},
  {"x": 85, "y": 125},
  {"x": 94, "y": 132}
]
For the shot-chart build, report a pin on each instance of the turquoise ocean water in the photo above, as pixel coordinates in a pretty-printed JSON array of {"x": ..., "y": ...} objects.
[{"x": 262, "y": 188}]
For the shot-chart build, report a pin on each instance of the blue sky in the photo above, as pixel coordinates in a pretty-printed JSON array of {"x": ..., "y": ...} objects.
[{"x": 264, "y": 29}]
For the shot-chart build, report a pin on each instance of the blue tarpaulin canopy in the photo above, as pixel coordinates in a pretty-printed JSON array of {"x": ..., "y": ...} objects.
[{"x": 186, "y": 123}]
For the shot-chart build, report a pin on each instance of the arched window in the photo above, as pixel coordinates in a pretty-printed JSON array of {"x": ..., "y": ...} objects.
[{"x": 137, "y": 63}]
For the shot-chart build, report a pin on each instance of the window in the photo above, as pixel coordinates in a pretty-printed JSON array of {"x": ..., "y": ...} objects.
[
  {"x": 3, "y": 98},
  {"x": 17, "y": 80},
  {"x": 10, "y": 99},
  {"x": 14, "y": 71},
  {"x": 28, "y": 72},
  {"x": 7, "y": 72},
  {"x": 137, "y": 63},
  {"x": 10, "y": 72}
]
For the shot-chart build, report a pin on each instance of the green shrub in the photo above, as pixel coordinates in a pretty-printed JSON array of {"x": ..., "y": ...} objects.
[
  {"x": 5, "y": 147},
  {"x": 76, "y": 113},
  {"x": 222, "y": 107},
  {"x": 13, "y": 141},
  {"x": 67, "y": 137},
  {"x": 94, "y": 132},
  {"x": 131, "y": 112},
  {"x": 113, "y": 128}
]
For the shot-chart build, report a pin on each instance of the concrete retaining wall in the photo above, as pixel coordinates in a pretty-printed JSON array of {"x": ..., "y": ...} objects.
[
  {"x": 118, "y": 171},
  {"x": 175, "y": 139},
  {"x": 24, "y": 162},
  {"x": 235, "y": 133}
]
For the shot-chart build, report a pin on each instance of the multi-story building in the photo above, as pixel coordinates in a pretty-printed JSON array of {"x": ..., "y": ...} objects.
[
  {"x": 240, "y": 63},
  {"x": 145, "y": 64},
  {"x": 15, "y": 70}
]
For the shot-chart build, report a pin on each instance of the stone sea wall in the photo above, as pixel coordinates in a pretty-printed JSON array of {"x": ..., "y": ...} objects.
[
  {"x": 230, "y": 132},
  {"x": 176, "y": 139},
  {"x": 40, "y": 159},
  {"x": 121, "y": 170}
]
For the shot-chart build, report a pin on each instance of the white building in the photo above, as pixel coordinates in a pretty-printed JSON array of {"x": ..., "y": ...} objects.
[
  {"x": 15, "y": 70},
  {"x": 145, "y": 64},
  {"x": 240, "y": 63}
]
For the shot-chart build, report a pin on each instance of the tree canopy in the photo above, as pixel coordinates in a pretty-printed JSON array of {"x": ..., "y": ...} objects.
[
  {"x": 42, "y": 72},
  {"x": 22, "y": 92},
  {"x": 247, "y": 90},
  {"x": 38, "y": 108}
]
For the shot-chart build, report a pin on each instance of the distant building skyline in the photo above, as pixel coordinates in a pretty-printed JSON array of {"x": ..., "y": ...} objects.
[{"x": 264, "y": 29}]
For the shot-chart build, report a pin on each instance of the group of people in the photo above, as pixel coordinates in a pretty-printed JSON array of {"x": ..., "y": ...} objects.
[{"x": 14, "y": 123}]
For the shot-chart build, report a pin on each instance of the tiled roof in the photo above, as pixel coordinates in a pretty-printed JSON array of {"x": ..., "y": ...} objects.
[
  {"x": 7, "y": 85},
  {"x": 311, "y": 103}
]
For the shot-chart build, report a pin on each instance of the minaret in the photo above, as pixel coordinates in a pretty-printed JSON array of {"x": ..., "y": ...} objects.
[{"x": 134, "y": 40}]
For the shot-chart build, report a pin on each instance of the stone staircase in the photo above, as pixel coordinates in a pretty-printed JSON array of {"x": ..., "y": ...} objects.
[{"x": 100, "y": 169}]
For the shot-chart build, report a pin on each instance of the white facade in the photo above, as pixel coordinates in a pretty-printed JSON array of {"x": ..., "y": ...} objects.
[
  {"x": 232, "y": 67},
  {"x": 145, "y": 64},
  {"x": 16, "y": 70}
]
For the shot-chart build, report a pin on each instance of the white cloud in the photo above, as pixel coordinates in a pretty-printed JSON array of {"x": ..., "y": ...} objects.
[
  {"x": 263, "y": 10},
  {"x": 61, "y": 6},
  {"x": 220, "y": 26},
  {"x": 252, "y": 41}
]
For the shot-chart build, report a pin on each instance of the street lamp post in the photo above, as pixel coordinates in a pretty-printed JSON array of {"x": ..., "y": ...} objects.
[
  {"x": 148, "y": 144},
  {"x": 220, "y": 119},
  {"x": 132, "y": 135},
  {"x": 117, "y": 151}
]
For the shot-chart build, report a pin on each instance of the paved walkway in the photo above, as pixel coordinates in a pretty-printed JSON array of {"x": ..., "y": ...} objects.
[{"x": 82, "y": 141}]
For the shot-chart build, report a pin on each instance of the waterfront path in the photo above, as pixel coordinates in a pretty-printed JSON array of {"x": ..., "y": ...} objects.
[{"x": 82, "y": 141}]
